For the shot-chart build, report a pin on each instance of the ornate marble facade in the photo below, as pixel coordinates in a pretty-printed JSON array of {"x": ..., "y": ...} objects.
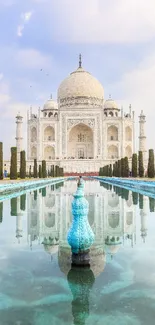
[{"x": 81, "y": 131}]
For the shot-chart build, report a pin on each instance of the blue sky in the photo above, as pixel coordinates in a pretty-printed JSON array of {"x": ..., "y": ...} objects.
[{"x": 116, "y": 39}]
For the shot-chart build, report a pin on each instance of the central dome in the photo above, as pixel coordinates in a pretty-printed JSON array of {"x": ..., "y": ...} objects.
[{"x": 80, "y": 88}]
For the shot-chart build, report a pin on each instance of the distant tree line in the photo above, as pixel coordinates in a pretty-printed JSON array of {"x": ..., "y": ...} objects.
[
  {"x": 121, "y": 167},
  {"x": 35, "y": 171}
]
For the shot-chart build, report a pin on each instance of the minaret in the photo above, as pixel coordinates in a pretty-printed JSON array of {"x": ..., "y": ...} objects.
[
  {"x": 19, "y": 138},
  {"x": 143, "y": 214},
  {"x": 142, "y": 137},
  {"x": 18, "y": 221}
]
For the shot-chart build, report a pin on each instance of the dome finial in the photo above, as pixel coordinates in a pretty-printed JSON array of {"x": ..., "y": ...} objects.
[
  {"x": 51, "y": 96},
  {"x": 109, "y": 96},
  {"x": 80, "y": 61}
]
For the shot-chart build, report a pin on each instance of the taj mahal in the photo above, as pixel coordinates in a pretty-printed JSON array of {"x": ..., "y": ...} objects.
[{"x": 81, "y": 131}]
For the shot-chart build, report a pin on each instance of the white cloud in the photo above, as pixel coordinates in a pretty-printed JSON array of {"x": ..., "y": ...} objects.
[
  {"x": 93, "y": 21},
  {"x": 25, "y": 18},
  {"x": 138, "y": 87},
  {"x": 31, "y": 58}
]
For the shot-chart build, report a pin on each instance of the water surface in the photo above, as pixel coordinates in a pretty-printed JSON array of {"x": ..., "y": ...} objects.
[{"x": 38, "y": 285}]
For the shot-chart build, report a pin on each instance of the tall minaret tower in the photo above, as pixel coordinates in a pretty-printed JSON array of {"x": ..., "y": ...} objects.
[
  {"x": 18, "y": 221},
  {"x": 19, "y": 133},
  {"x": 142, "y": 137},
  {"x": 143, "y": 214}
]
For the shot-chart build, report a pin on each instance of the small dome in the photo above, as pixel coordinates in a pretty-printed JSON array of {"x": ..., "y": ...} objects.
[
  {"x": 80, "y": 87},
  {"x": 110, "y": 104},
  {"x": 50, "y": 105}
]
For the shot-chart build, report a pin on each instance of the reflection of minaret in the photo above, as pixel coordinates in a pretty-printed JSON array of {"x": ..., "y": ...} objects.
[
  {"x": 80, "y": 281},
  {"x": 19, "y": 138},
  {"x": 142, "y": 137},
  {"x": 143, "y": 214},
  {"x": 18, "y": 221}
]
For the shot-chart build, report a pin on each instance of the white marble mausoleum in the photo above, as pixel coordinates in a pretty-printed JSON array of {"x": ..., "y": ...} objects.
[{"x": 81, "y": 131}]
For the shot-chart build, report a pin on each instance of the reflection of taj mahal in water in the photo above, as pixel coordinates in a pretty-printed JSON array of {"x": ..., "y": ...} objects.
[{"x": 112, "y": 219}]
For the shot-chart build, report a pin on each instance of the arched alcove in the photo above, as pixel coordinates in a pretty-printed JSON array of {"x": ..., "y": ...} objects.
[
  {"x": 33, "y": 134},
  {"x": 49, "y": 219},
  {"x": 112, "y": 152},
  {"x": 49, "y": 134},
  {"x": 50, "y": 201},
  {"x": 113, "y": 219},
  {"x": 128, "y": 134},
  {"x": 112, "y": 133},
  {"x": 33, "y": 152},
  {"x": 80, "y": 142},
  {"x": 128, "y": 152},
  {"x": 113, "y": 200},
  {"x": 34, "y": 219},
  {"x": 49, "y": 153},
  {"x": 129, "y": 218}
]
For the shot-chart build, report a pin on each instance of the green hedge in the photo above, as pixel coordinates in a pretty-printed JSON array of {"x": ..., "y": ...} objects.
[
  {"x": 22, "y": 164},
  {"x": 13, "y": 167}
]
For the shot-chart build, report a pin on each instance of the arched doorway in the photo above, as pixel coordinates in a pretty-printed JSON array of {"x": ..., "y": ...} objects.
[
  {"x": 112, "y": 133},
  {"x": 128, "y": 134},
  {"x": 128, "y": 152},
  {"x": 112, "y": 152},
  {"x": 49, "y": 134},
  {"x": 80, "y": 142},
  {"x": 33, "y": 134},
  {"x": 49, "y": 153},
  {"x": 33, "y": 153}
]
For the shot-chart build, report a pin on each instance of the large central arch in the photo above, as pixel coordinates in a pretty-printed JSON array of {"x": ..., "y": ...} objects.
[{"x": 80, "y": 142}]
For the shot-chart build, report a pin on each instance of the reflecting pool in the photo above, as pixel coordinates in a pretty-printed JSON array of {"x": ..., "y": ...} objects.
[{"x": 38, "y": 285}]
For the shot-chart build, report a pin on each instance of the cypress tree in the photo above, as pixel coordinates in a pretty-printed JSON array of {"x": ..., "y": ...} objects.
[
  {"x": 56, "y": 171},
  {"x": 151, "y": 164},
  {"x": 44, "y": 172},
  {"x": 135, "y": 198},
  {"x": 43, "y": 192},
  {"x": 125, "y": 194},
  {"x": 40, "y": 171},
  {"x": 14, "y": 206},
  {"x": 116, "y": 168},
  {"x": 110, "y": 170},
  {"x": 122, "y": 167},
  {"x": 22, "y": 165},
  {"x": 23, "y": 202},
  {"x": 140, "y": 164},
  {"x": 35, "y": 172},
  {"x": 35, "y": 195},
  {"x": 13, "y": 167},
  {"x": 119, "y": 168},
  {"x": 134, "y": 165},
  {"x": 140, "y": 201},
  {"x": 151, "y": 204},
  {"x": 1, "y": 160},
  {"x": 30, "y": 173},
  {"x": 126, "y": 167},
  {"x": 1, "y": 212}
]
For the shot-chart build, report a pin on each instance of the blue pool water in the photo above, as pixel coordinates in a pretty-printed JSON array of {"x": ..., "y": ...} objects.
[{"x": 38, "y": 285}]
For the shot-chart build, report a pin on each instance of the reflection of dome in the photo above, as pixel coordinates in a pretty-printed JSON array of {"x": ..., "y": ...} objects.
[
  {"x": 110, "y": 104},
  {"x": 80, "y": 85},
  {"x": 113, "y": 243},
  {"x": 50, "y": 105},
  {"x": 113, "y": 249},
  {"x": 51, "y": 249},
  {"x": 97, "y": 259},
  {"x": 51, "y": 245}
]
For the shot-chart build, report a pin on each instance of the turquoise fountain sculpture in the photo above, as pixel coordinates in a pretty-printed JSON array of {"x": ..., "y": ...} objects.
[{"x": 80, "y": 236}]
